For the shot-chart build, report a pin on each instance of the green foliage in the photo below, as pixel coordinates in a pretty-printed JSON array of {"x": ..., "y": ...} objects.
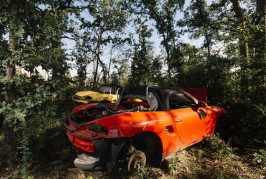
[
  {"x": 213, "y": 173},
  {"x": 247, "y": 122},
  {"x": 213, "y": 159},
  {"x": 259, "y": 157},
  {"x": 114, "y": 79},
  {"x": 229, "y": 61},
  {"x": 141, "y": 62},
  {"x": 2, "y": 154},
  {"x": 25, "y": 150},
  {"x": 163, "y": 13},
  {"x": 173, "y": 166},
  {"x": 140, "y": 171},
  {"x": 37, "y": 103},
  {"x": 103, "y": 27},
  {"x": 218, "y": 149},
  {"x": 144, "y": 172},
  {"x": 121, "y": 72},
  {"x": 34, "y": 34}
]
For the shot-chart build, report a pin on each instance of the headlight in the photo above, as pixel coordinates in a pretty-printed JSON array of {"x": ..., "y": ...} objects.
[
  {"x": 88, "y": 98},
  {"x": 97, "y": 128}
]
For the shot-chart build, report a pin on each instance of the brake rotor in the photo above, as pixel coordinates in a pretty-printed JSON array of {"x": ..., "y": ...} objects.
[{"x": 137, "y": 159}]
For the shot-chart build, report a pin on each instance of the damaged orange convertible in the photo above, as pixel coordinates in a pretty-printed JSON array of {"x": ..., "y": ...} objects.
[{"x": 146, "y": 125}]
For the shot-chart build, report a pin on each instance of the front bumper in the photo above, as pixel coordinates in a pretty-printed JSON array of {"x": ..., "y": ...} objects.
[
  {"x": 84, "y": 144},
  {"x": 103, "y": 152}
]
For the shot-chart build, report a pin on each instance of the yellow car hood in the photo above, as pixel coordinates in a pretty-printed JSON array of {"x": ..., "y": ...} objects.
[{"x": 93, "y": 96}]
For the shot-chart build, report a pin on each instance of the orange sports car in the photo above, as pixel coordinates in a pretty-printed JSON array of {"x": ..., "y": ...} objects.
[{"x": 146, "y": 125}]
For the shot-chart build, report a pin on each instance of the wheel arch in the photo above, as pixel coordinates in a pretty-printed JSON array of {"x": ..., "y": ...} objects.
[{"x": 150, "y": 144}]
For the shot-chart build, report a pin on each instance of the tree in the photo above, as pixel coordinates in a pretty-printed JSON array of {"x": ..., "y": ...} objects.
[
  {"x": 142, "y": 57},
  {"x": 200, "y": 23},
  {"x": 164, "y": 15},
  {"x": 122, "y": 71},
  {"x": 34, "y": 30},
  {"x": 14, "y": 28},
  {"x": 260, "y": 22},
  {"x": 249, "y": 27},
  {"x": 193, "y": 73},
  {"x": 257, "y": 65},
  {"x": 157, "y": 77},
  {"x": 106, "y": 22},
  {"x": 243, "y": 44},
  {"x": 82, "y": 60}
]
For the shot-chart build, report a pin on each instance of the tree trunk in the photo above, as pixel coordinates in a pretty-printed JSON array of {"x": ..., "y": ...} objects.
[
  {"x": 260, "y": 34},
  {"x": 8, "y": 130},
  {"x": 243, "y": 47},
  {"x": 109, "y": 66},
  {"x": 95, "y": 81},
  {"x": 260, "y": 45}
]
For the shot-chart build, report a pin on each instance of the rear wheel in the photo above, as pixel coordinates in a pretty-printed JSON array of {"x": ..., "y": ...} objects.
[
  {"x": 151, "y": 145},
  {"x": 137, "y": 159}
]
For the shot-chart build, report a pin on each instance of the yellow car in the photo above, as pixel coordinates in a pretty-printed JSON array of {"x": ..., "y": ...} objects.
[{"x": 104, "y": 93}]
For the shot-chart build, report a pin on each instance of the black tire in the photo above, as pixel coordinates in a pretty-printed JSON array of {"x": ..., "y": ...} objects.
[
  {"x": 137, "y": 158},
  {"x": 151, "y": 145}
]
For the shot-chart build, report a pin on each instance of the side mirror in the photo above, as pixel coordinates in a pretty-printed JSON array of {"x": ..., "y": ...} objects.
[
  {"x": 202, "y": 104},
  {"x": 194, "y": 105}
]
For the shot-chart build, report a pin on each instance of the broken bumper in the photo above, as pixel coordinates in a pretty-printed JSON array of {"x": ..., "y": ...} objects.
[
  {"x": 86, "y": 162},
  {"x": 105, "y": 155}
]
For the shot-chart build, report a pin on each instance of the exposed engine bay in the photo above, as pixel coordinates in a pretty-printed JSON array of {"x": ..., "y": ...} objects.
[{"x": 102, "y": 110}]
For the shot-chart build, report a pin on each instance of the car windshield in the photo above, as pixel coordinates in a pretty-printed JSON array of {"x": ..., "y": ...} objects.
[
  {"x": 134, "y": 96},
  {"x": 104, "y": 89},
  {"x": 178, "y": 99},
  {"x": 135, "y": 93},
  {"x": 109, "y": 89}
]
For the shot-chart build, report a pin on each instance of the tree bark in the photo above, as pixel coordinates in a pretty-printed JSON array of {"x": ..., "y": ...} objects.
[
  {"x": 8, "y": 129},
  {"x": 260, "y": 45},
  {"x": 260, "y": 34},
  {"x": 243, "y": 46}
]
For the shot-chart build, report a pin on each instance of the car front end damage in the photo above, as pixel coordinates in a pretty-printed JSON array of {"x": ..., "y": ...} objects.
[
  {"x": 102, "y": 153},
  {"x": 97, "y": 146}
]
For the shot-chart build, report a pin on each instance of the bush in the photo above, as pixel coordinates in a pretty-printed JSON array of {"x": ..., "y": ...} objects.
[
  {"x": 259, "y": 157},
  {"x": 217, "y": 148}
]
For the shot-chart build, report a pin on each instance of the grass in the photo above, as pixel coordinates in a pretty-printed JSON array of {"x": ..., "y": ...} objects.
[{"x": 213, "y": 158}]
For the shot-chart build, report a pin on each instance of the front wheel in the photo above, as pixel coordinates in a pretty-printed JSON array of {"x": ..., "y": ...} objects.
[{"x": 137, "y": 159}]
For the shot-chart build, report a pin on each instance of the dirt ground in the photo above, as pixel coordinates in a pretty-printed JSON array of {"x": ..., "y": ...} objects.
[
  {"x": 183, "y": 164},
  {"x": 54, "y": 160}
]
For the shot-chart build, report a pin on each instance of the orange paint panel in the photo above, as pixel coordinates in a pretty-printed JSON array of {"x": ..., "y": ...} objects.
[
  {"x": 176, "y": 128},
  {"x": 189, "y": 125}
]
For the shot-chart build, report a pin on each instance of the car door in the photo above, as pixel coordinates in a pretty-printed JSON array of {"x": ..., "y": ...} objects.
[{"x": 188, "y": 120}]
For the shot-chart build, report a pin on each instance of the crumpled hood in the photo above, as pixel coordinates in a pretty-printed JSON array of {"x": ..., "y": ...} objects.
[{"x": 87, "y": 96}]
